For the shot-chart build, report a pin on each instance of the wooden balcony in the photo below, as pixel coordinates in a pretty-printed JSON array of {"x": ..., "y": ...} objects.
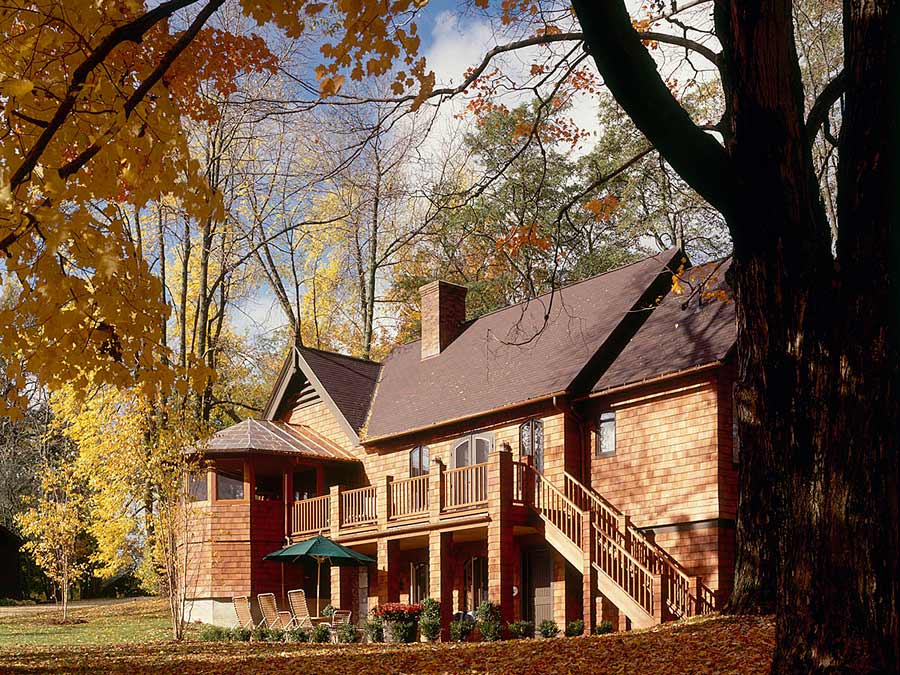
[{"x": 376, "y": 507}]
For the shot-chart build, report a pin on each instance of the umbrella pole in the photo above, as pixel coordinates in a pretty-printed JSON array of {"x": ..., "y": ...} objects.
[{"x": 319, "y": 588}]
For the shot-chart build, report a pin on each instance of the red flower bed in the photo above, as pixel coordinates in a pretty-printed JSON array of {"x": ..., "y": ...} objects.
[{"x": 398, "y": 611}]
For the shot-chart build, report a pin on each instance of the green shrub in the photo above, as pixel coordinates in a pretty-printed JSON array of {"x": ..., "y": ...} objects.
[
  {"x": 548, "y": 628},
  {"x": 12, "y": 602},
  {"x": 320, "y": 633},
  {"x": 521, "y": 629},
  {"x": 328, "y": 611},
  {"x": 374, "y": 629},
  {"x": 430, "y": 620},
  {"x": 604, "y": 627},
  {"x": 210, "y": 633},
  {"x": 238, "y": 635},
  {"x": 261, "y": 634},
  {"x": 460, "y": 630},
  {"x": 348, "y": 633},
  {"x": 400, "y": 631},
  {"x": 489, "y": 621},
  {"x": 297, "y": 635},
  {"x": 574, "y": 628}
]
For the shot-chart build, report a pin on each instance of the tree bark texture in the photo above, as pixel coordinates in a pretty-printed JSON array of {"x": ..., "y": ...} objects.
[{"x": 818, "y": 328}]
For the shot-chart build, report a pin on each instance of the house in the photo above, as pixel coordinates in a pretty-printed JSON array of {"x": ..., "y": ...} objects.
[{"x": 569, "y": 457}]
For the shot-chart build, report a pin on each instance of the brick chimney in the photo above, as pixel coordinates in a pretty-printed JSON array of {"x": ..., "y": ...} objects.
[{"x": 443, "y": 314}]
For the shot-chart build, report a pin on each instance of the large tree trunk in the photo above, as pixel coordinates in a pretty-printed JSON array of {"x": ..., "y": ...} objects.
[{"x": 818, "y": 333}]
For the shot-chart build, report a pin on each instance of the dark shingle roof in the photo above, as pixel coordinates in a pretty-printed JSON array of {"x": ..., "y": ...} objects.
[
  {"x": 349, "y": 381},
  {"x": 676, "y": 338},
  {"x": 263, "y": 436},
  {"x": 510, "y": 356}
]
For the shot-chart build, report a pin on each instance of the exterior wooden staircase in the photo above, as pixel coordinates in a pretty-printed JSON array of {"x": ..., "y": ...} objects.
[{"x": 633, "y": 572}]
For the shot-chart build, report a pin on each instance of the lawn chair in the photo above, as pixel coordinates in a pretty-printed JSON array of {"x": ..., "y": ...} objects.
[
  {"x": 242, "y": 611},
  {"x": 272, "y": 617},
  {"x": 299, "y": 609},
  {"x": 341, "y": 617}
]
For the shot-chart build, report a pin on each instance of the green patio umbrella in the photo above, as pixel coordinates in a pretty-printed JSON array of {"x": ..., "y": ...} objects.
[{"x": 320, "y": 549}]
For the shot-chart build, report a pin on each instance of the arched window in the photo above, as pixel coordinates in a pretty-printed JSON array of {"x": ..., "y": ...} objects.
[
  {"x": 473, "y": 449},
  {"x": 419, "y": 461},
  {"x": 531, "y": 442}
]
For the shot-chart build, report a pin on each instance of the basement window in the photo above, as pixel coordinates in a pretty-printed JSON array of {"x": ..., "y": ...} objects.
[{"x": 606, "y": 434}]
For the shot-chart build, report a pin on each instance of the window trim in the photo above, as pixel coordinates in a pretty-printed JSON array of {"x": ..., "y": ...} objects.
[
  {"x": 605, "y": 416},
  {"x": 196, "y": 474}
]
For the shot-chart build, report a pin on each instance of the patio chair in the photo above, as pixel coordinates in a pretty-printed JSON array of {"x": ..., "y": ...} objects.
[
  {"x": 272, "y": 617},
  {"x": 242, "y": 611},
  {"x": 299, "y": 609},
  {"x": 340, "y": 618}
]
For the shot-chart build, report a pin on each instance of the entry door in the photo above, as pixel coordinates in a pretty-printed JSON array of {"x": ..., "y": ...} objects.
[{"x": 538, "y": 603}]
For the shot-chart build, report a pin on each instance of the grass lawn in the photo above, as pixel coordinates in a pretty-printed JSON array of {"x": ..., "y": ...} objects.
[
  {"x": 138, "y": 620},
  {"x": 711, "y": 645}
]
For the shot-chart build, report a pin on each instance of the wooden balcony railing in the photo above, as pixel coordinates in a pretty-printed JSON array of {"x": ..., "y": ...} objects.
[
  {"x": 358, "y": 507},
  {"x": 311, "y": 515},
  {"x": 465, "y": 487},
  {"x": 409, "y": 497}
]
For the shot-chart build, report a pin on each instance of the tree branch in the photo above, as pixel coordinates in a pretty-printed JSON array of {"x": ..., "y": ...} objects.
[
  {"x": 631, "y": 75},
  {"x": 149, "y": 82},
  {"x": 130, "y": 32},
  {"x": 818, "y": 113}
]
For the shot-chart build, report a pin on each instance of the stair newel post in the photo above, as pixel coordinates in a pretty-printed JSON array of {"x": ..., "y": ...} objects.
[
  {"x": 698, "y": 590},
  {"x": 589, "y": 579},
  {"x": 527, "y": 482},
  {"x": 334, "y": 504},
  {"x": 435, "y": 489},
  {"x": 659, "y": 599},
  {"x": 624, "y": 526},
  {"x": 383, "y": 501}
]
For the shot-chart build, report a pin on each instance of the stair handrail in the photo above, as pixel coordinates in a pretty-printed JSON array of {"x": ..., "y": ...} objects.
[
  {"x": 656, "y": 558},
  {"x": 637, "y": 582},
  {"x": 575, "y": 513}
]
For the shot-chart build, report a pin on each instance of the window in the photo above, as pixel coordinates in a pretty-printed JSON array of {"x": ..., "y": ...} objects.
[
  {"x": 198, "y": 490},
  {"x": 475, "y": 591},
  {"x": 472, "y": 449},
  {"x": 606, "y": 434},
  {"x": 418, "y": 461},
  {"x": 269, "y": 488},
  {"x": 230, "y": 483},
  {"x": 418, "y": 581},
  {"x": 531, "y": 442}
]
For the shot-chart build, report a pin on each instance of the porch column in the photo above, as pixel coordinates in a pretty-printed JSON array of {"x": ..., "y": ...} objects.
[
  {"x": 337, "y": 600},
  {"x": 383, "y": 501},
  {"x": 334, "y": 503},
  {"x": 500, "y": 534},
  {"x": 558, "y": 589},
  {"x": 386, "y": 589},
  {"x": 589, "y": 574},
  {"x": 440, "y": 582}
]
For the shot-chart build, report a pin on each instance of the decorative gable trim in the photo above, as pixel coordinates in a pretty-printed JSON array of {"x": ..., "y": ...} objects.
[{"x": 292, "y": 364}]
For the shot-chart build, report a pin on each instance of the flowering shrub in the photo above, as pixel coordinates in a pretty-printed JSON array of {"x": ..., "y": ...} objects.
[{"x": 398, "y": 611}]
